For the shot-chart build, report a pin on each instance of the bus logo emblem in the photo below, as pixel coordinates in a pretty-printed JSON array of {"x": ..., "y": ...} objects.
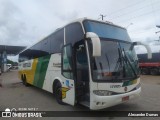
[{"x": 125, "y": 89}]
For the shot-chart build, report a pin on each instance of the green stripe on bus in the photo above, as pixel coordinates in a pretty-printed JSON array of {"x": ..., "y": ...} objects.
[
  {"x": 36, "y": 76},
  {"x": 41, "y": 70},
  {"x": 127, "y": 83}
]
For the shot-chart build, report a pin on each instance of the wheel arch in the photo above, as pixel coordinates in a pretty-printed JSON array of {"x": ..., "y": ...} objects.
[
  {"x": 22, "y": 76},
  {"x": 55, "y": 81}
]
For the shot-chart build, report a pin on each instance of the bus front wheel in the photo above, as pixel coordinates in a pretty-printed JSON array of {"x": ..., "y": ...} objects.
[{"x": 58, "y": 93}]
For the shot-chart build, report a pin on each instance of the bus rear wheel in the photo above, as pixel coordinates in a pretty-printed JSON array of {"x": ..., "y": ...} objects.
[
  {"x": 58, "y": 93},
  {"x": 24, "y": 81}
]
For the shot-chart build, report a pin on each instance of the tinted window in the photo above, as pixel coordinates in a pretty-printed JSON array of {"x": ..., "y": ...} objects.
[
  {"x": 51, "y": 44},
  {"x": 23, "y": 57},
  {"x": 45, "y": 49},
  {"x": 57, "y": 41},
  {"x": 38, "y": 50},
  {"x": 35, "y": 51},
  {"x": 73, "y": 33},
  {"x": 67, "y": 62},
  {"x": 105, "y": 30}
]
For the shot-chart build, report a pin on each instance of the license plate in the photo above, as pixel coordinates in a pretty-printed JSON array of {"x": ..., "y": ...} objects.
[{"x": 125, "y": 98}]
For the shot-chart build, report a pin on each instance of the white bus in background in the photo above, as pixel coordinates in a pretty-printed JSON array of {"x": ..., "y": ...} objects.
[{"x": 89, "y": 62}]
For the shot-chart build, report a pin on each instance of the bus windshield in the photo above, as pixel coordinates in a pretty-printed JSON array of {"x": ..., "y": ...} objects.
[
  {"x": 117, "y": 62},
  {"x": 104, "y": 30}
]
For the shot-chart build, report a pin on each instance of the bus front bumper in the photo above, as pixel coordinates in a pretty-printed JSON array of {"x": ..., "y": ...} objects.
[{"x": 101, "y": 102}]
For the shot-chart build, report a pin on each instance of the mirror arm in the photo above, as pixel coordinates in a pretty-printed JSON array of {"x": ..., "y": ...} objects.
[
  {"x": 146, "y": 46},
  {"x": 95, "y": 42}
]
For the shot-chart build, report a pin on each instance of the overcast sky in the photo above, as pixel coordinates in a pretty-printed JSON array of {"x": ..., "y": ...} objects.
[{"x": 24, "y": 22}]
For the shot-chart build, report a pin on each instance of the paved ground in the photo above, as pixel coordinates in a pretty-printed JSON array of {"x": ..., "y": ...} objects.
[{"x": 14, "y": 95}]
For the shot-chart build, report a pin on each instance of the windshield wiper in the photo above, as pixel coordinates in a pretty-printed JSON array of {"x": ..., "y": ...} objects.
[
  {"x": 126, "y": 58},
  {"x": 120, "y": 62},
  {"x": 108, "y": 62}
]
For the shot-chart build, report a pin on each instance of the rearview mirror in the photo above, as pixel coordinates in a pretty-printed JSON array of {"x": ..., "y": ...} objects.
[
  {"x": 95, "y": 42},
  {"x": 146, "y": 46}
]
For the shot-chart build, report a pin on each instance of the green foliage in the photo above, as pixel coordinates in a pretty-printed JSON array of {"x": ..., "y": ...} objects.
[{"x": 11, "y": 62}]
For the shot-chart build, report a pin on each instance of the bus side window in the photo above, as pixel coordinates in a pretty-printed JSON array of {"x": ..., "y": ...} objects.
[
  {"x": 73, "y": 33},
  {"x": 56, "y": 41},
  {"x": 67, "y": 70},
  {"x": 81, "y": 55}
]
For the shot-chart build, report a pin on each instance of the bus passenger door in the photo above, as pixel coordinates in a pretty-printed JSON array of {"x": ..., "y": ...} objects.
[
  {"x": 82, "y": 75},
  {"x": 68, "y": 86}
]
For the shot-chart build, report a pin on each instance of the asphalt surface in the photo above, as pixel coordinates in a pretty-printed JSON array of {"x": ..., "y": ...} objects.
[{"x": 14, "y": 95}]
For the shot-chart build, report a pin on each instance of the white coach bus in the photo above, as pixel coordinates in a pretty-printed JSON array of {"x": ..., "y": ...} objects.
[{"x": 89, "y": 62}]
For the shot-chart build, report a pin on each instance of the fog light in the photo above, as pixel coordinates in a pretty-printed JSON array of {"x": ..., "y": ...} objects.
[
  {"x": 103, "y": 103},
  {"x": 97, "y": 103}
]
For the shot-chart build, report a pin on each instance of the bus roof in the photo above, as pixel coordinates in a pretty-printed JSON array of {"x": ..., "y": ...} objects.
[{"x": 80, "y": 20}]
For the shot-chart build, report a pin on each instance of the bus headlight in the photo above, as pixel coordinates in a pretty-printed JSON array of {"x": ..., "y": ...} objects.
[{"x": 102, "y": 92}]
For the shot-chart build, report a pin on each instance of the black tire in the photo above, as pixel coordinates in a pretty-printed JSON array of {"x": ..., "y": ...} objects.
[
  {"x": 24, "y": 81},
  {"x": 154, "y": 71},
  {"x": 58, "y": 93},
  {"x": 145, "y": 71},
  {"x": 22, "y": 78}
]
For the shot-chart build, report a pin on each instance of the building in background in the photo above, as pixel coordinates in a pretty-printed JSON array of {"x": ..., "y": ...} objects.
[{"x": 6, "y": 50}]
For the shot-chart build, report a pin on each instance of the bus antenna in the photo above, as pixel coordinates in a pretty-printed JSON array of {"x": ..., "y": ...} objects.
[{"x": 102, "y": 16}]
